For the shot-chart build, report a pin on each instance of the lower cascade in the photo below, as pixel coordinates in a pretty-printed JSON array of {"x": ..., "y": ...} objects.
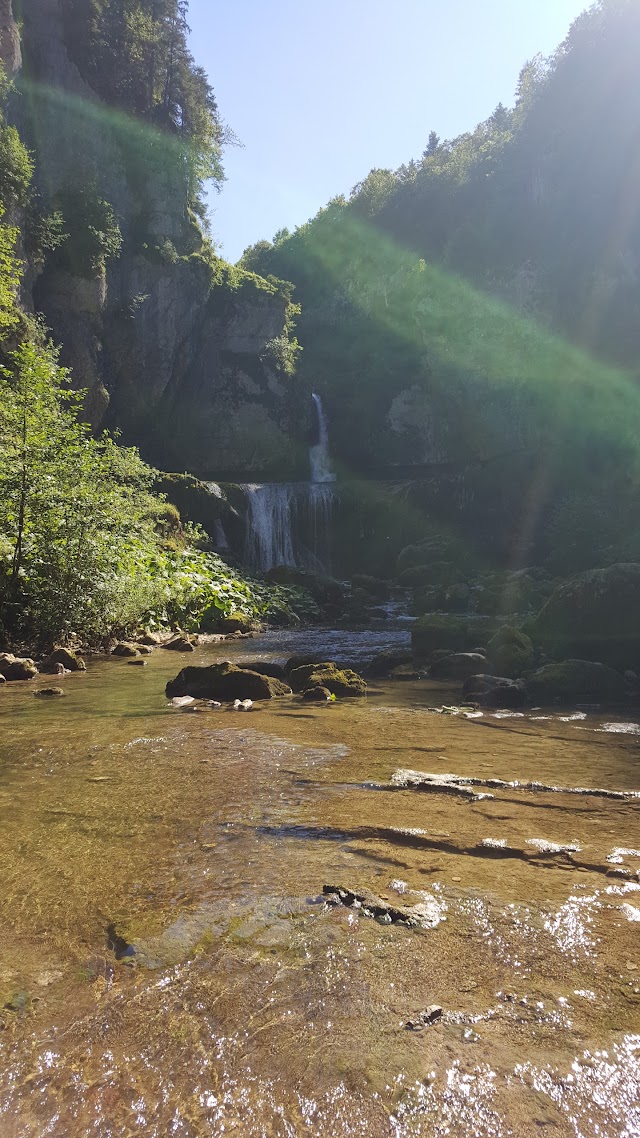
[{"x": 288, "y": 523}]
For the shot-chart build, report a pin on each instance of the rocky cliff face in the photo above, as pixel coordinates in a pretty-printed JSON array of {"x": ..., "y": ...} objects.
[{"x": 174, "y": 348}]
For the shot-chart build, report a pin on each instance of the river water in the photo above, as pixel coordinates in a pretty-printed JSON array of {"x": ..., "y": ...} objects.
[{"x": 243, "y": 1002}]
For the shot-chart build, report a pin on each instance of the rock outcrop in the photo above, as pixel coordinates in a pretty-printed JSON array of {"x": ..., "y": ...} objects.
[{"x": 173, "y": 347}]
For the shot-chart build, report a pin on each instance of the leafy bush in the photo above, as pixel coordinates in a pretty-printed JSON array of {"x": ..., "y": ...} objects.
[
  {"x": 190, "y": 583},
  {"x": 94, "y": 233}
]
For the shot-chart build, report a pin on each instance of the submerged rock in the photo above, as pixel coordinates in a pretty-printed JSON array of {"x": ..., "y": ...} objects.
[
  {"x": 48, "y": 693},
  {"x": 572, "y": 680},
  {"x": 225, "y": 682},
  {"x": 371, "y": 905},
  {"x": 425, "y": 1018},
  {"x": 17, "y": 667},
  {"x": 65, "y": 657},
  {"x": 317, "y": 695},
  {"x": 495, "y": 691},
  {"x": 339, "y": 681}
]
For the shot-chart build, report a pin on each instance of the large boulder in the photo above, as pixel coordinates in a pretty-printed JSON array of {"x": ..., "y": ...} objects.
[
  {"x": 457, "y": 666},
  {"x": 576, "y": 680},
  {"x": 594, "y": 616},
  {"x": 339, "y": 681},
  {"x": 264, "y": 668},
  {"x": 213, "y": 620},
  {"x": 17, "y": 667},
  {"x": 125, "y": 649},
  {"x": 438, "y": 574},
  {"x": 372, "y": 586},
  {"x": 225, "y": 682},
  {"x": 454, "y": 633},
  {"x": 494, "y": 691},
  {"x": 384, "y": 663},
  {"x": 69, "y": 660},
  {"x": 503, "y": 592},
  {"x": 510, "y": 653}
]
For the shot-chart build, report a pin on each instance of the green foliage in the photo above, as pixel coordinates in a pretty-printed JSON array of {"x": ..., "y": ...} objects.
[
  {"x": 10, "y": 275},
  {"x": 16, "y": 168},
  {"x": 76, "y": 514},
  {"x": 135, "y": 55},
  {"x": 93, "y": 232},
  {"x": 480, "y": 305},
  {"x": 192, "y": 583},
  {"x": 16, "y": 163}
]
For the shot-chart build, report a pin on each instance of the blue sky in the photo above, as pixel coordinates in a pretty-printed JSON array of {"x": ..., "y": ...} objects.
[{"x": 321, "y": 91}]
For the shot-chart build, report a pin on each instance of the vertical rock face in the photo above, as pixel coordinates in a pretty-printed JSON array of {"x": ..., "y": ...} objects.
[
  {"x": 10, "y": 53},
  {"x": 172, "y": 346}
]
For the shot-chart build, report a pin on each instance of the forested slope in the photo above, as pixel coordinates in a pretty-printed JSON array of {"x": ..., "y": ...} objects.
[{"x": 478, "y": 309}]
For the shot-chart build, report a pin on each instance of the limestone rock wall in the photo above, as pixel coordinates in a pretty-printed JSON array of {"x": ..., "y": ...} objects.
[{"x": 176, "y": 360}]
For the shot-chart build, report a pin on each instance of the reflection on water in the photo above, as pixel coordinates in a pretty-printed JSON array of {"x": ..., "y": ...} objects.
[{"x": 170, "y": 966}]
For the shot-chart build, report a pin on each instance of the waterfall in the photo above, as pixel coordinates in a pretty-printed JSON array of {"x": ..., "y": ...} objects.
[
  {"x": 288, "y": 523},
  {"x": 319, "y": 454},
  {"x": 269, "y": 533}
]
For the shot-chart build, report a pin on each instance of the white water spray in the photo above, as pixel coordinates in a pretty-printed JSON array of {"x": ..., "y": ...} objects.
[
  {"x": 288, "y": 523},
  {"x": 319, "y": 454}
]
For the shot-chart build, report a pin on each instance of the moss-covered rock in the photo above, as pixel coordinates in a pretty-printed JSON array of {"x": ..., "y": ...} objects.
[
  {"x": 17, "y": 667},
  {"x": 440, "y": 573},
  {"x": 384, "y": 663},
  {"x": 594, "y": 616},
  {"x": 225, "y": 682},
  {"x": 339, "y": 681},
  {"x": 203, "y": 503},
  {"x": 213, "y": 621},
  {"x": 64, "y": 656},
  {"x": 454, "y": 633},
  {"x": 510, "y": 653},
  {"x": 373, "y": 586},
  {"x": 317, "y": 695},
  {"x": 125, "y": 649},
  {"x": 576, "y": 680},
  {"x": 457, "y": 666}
]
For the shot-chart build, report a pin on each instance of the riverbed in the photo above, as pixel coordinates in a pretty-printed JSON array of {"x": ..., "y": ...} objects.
[{"x": 170, "y": 965}]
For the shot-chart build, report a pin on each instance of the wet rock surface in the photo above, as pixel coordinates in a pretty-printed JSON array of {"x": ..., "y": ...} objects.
[
  {"x": 457, "y": 666},
  {"x": 225, "y": 682},
  {"x": 17, "y": 667},
  {"x": 179, "y": 644},
  {"x": 124, "y": 649},
  {"x": 572, "y": 680},
  {"x": 495, "y": 691},
  {"x": 69, "y": 660},
  {"x": 339, "y": 681}
]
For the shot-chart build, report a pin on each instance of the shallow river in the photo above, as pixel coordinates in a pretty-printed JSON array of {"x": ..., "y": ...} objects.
[{"x": 243, "y": 1001}]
